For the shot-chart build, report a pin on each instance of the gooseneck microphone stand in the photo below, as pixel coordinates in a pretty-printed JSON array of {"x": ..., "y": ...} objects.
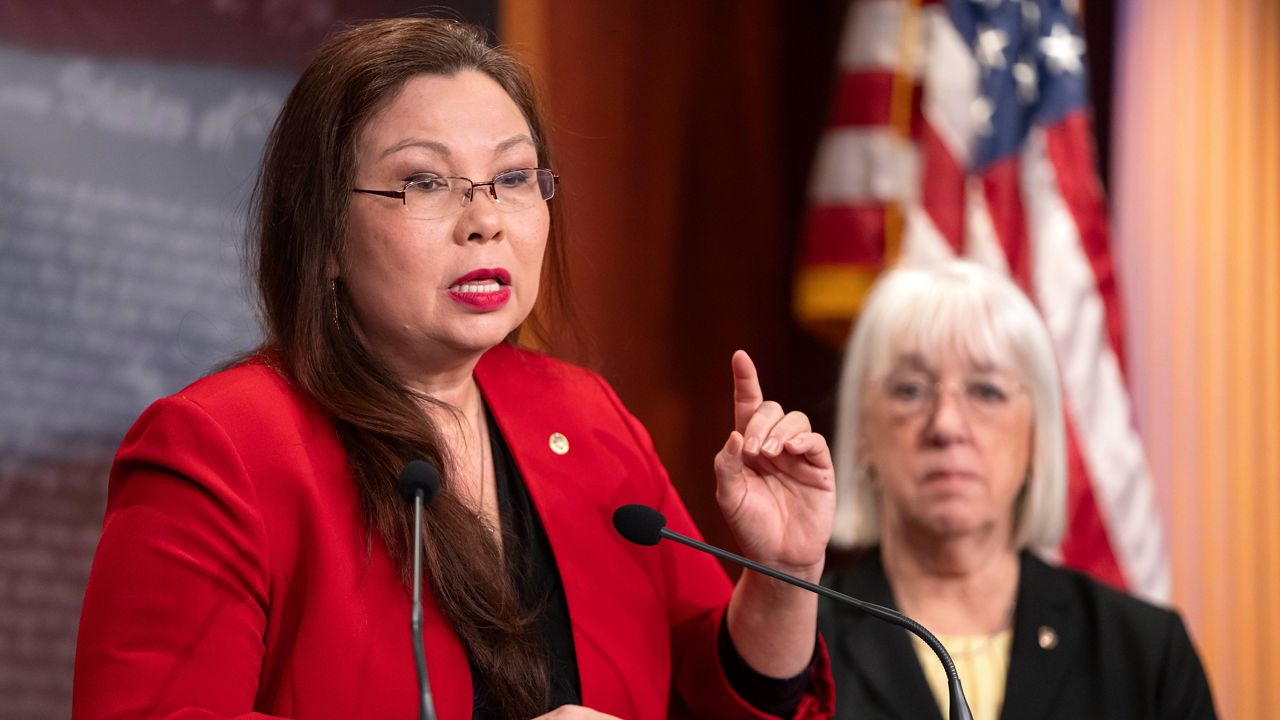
[{"x": 643, "y": 525}]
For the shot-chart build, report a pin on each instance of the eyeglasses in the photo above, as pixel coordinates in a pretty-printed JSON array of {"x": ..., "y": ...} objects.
[
  {"x": 428, "y": 197},
  {"x": 989, "y": 397}
]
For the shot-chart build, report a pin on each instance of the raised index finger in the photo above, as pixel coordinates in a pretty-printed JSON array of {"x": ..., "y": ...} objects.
[{"x": 747, "y": 395}]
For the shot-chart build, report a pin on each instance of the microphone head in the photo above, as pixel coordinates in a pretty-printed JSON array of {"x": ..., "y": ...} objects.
[
  {"x": 419, "y": 475},
  {"x": 639, "y": 524}
]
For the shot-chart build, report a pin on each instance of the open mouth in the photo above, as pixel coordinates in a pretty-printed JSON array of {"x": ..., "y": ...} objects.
[
  {"x": 476, "y": 287},
  {"x": 481, "y": 281},
  {"x": 482, "y": 290}
]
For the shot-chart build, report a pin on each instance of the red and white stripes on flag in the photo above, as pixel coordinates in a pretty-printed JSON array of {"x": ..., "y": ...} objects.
[{"x": 961, "y": 127}]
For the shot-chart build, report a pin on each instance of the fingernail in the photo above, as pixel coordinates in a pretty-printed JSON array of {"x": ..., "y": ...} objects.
[
  {"x": 753, "y": 446},
  {"x": 771, "y": 446}
]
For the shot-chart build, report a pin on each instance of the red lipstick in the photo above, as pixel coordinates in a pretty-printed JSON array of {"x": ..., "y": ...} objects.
[{"x": 484, "y": 289}]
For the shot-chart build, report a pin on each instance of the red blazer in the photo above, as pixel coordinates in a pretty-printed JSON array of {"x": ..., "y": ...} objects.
[{"x": 231, "y": 578}]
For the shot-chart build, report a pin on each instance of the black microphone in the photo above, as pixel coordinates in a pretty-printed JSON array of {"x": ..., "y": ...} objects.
[
  {"x": 419, "y": 482},
  {"x": 643, "y": 525}
]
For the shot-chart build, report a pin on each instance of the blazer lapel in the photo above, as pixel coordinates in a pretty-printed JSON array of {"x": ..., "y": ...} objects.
[
  {"x": 1046, "y": 641},
  {"x": 882, "y": 654},
  {"x": 548, "y": 425}
]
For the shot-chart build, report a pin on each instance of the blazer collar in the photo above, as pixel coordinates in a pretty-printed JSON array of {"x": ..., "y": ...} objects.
[
  {"x": 526, "y": 394},
  {"x": 882, "y": 653},
  {"x": 1046, "y": 639}
]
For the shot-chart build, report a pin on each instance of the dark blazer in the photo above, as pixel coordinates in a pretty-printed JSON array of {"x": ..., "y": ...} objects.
[
  {"x": 233, "y": 577},
  {"x": 1080, "y": 650}
]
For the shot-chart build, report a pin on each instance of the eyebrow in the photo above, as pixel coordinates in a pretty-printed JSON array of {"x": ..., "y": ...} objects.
[
  {"x": 513, "y": 141},
  {"x": 440, "y": 148},
  {"x": 443, "y": 149}
]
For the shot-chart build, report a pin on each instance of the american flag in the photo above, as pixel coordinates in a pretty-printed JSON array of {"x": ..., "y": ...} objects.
[{"x": 961, "y": 127}]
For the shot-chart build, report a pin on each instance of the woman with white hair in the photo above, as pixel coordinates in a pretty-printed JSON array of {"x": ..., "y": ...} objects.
[{"x": 950, "y": 473}]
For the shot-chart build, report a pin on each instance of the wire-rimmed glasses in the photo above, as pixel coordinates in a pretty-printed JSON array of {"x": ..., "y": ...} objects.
[
  {"x": 984, "y": 397},
  {"x": 429, "y": 197}
]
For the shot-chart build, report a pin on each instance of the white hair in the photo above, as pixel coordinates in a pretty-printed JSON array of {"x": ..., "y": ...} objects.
[{"x": 930, "y": 310}]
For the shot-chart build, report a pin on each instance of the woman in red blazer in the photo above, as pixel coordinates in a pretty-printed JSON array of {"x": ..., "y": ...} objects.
[{"x": 255, "y": 555}]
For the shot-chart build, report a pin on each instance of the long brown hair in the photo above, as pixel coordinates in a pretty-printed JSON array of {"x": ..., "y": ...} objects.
[{"x": 299, "y": 223}]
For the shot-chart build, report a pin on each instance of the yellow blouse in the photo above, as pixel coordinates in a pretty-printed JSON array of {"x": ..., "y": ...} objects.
[{"x": 983, "y": 664}]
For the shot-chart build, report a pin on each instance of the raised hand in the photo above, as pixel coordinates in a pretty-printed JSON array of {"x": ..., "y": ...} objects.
[{"x": 774, "y": 480}]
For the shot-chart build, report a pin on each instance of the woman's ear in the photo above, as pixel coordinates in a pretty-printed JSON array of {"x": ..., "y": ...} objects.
[{"x": 331, "y": 269}]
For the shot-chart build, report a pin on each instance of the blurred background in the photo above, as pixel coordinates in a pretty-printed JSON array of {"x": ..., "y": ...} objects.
[{"x": 735, "y": 174}]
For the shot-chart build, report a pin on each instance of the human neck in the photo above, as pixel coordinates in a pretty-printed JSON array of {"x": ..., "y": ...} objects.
[
  {"x": 958, "y": 585},
  {"x": 445, "y": 377},
  {"x": 457, "y": 408},
  {"x": 456, "y": 389},
  {"x": 439, "y": 371}
]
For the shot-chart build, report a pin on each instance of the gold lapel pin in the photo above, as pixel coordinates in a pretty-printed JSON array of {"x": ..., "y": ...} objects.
[
  {"x": 1048, "y": 637},
  {"x": 559, "y": 443}
]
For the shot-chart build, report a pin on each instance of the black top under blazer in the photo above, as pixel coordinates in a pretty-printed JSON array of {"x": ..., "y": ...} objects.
[{"x": 1109, "y": 655}]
